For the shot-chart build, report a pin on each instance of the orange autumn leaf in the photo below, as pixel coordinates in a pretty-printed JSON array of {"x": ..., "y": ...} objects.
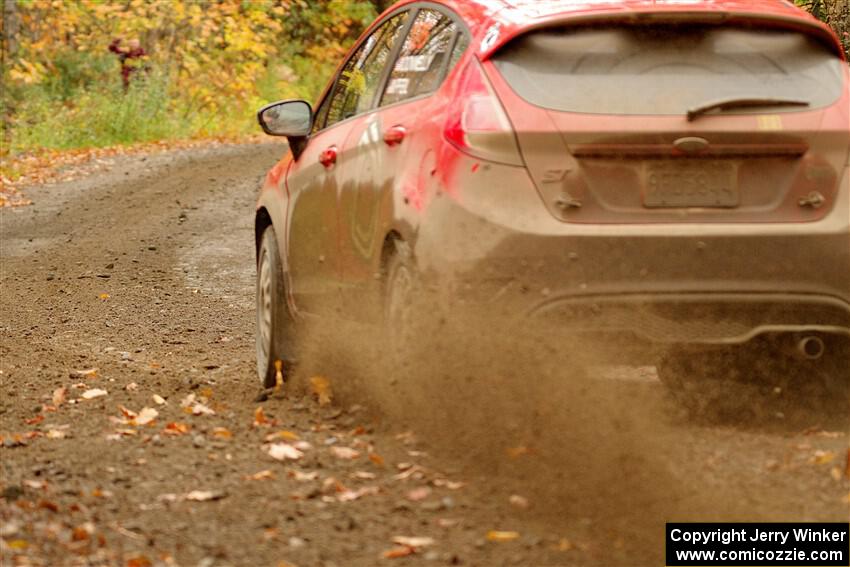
[
  {"x": 176, "y": 428},
  {"x": 399, "y": 551},
  {"x": 321, "y": 388}
]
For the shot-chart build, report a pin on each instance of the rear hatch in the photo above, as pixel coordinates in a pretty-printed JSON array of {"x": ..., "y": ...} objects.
[{"x": 678, "y": 121}]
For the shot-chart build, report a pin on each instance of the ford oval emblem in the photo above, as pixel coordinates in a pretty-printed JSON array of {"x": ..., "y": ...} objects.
[{"x": 691, "y": 145}]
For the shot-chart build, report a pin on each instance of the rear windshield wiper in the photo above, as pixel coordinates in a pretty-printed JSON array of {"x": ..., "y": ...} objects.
[{"x": 728, "y": 103}]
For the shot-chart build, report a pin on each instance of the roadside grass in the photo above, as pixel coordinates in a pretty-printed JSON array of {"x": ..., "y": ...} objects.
[{"x": 84, "y": 107}]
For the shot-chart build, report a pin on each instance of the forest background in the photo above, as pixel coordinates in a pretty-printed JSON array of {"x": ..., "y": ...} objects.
[{"x": 209, "y": 65}]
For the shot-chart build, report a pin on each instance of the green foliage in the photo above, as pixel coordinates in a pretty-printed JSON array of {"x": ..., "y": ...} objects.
[{"x": 209, "y": 66}]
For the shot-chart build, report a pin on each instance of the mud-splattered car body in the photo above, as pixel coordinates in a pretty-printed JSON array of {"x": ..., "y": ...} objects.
[{"x": 553, "y": 180}]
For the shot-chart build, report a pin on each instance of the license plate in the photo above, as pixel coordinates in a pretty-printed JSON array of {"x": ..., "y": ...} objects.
[{"x": 676, "y": 184}]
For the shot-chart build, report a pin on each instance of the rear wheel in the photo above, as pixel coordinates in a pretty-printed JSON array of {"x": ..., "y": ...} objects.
[
  {"x": 399, "y": 299},
  {"x": 275, "y": 326}
]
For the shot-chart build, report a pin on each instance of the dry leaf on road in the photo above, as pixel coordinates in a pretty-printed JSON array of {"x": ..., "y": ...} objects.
[
  {"x": 501, "y": 536},
  {"x": 94, "y": 393},
  {"x": 344, "y": 453},
  {"x": 58, "y": 397},
  {"x": 262, "y": 475},
  {"x": 204, "y": 495},
  {"x": 396, "y": 552},
  {"x": 413, "y": 541},
  {"x": 146, "y": 416},
  {"x": 321, "y": 388},
  {"x": 284, "y": 451},
  {"x": 87, "y": 373}
]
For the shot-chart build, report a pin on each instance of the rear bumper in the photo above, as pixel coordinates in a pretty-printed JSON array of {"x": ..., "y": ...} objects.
[
  {"x": 495, "y": 247},
  {"x": 709, "y": 319}
]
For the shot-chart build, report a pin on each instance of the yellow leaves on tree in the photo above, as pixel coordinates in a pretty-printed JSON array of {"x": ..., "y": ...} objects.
[{"x": 218, "y": 50}]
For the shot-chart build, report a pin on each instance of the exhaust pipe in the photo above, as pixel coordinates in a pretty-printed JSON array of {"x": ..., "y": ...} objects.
[{"x": 810, "y": 348}]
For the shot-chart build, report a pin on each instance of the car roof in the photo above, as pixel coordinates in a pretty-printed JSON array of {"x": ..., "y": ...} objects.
[{"x": 502, "y": 20}]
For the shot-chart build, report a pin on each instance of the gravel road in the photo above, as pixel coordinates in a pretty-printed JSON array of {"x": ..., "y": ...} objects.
[{"x": 138, "y": 282}]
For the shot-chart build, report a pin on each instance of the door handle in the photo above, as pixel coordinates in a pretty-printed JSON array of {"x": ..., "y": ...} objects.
[
  {"x": 395, "y": 135},
  {"x": 328, "y": 157}
]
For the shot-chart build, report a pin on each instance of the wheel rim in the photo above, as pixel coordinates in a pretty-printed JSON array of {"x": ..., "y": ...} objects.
[
  {"x": 264, "y": 313},
  {"x": 398, "y": 304}
]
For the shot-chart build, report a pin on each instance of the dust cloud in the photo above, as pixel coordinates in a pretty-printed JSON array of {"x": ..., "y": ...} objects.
[{"x": 525, "y": 411}]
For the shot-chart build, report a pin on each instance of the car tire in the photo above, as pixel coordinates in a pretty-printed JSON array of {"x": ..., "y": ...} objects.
[
  {"x": 275, "y": 325},
  {"x": 399, "y": 298}
]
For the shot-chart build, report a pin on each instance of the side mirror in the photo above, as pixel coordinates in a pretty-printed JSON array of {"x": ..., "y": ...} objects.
[{"x": 290, "y": 118}]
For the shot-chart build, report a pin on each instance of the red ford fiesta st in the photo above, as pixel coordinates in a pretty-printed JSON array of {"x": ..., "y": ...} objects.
[{"x": 672, "y": 172}]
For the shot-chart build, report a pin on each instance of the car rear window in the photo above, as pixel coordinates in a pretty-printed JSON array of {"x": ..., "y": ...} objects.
[{"x": 667, "y": 69}]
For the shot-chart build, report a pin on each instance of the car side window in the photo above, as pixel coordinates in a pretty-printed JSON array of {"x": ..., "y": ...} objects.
[
  {"x": 422, "y": 62},
  {"x": 359, "y": 80},
  {"x": 321, "y": 114}
]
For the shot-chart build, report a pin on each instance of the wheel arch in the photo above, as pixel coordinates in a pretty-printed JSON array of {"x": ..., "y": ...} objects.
[{"x": 262, "y": 220}]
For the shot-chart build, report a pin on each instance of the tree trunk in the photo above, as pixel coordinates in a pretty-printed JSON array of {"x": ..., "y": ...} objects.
[{"x": 10, "y": 30}]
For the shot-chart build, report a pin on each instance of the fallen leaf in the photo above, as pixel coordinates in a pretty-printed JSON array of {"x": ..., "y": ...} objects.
[
  {"x": 284, "y": 451},
  {"x": 278, "y": 375},
  {"x": 260, "y": 419},
  {"x": 518, "y": 501},
  {"x": 288, "y": 435},
  {"x": 159, "y": 400},
  {"x": 34, "y": 420},
  {"x": 56, "y": 434},
  {"x": 344, "y": 453},
  {"x": 222, "y": 432},
  {"x": 176, "y": 428},
  {"x": 450, "y": 484},
  {"x": 501, "y": 536},
  {"x": 822, "y": 457},
  {"x": 146, "y": 416},
  {"x": 419, "y": 494},
  {"x": 564, "y": 545},
  {"x": 204, "y": 495},
  {"x": 140, "y": 561},
  {"x": 94, "y": 393},
  {"x": 18, "y": 544},
  {"x": 48, "y": 505},
  {"x": 516, "y": 452},
  {"x": 82, "y": 532},
  {"x": 302, "y": 476},
  {"x": 396, "y": 552},
  {"x": 200, "y": 409},
  {"x": 349, "y": 495},
  {"x": 321, "y": 388},
  {"x": 88, "y": 373},
  {"x": 376, "y": 459},
  {"x": 262, "y": 475},
  {"x": 58, "y": 397},
  {"x": 104, "y": 296},
  {"x": 414, "y": 542},
  {"x": 127, "y": 413}
]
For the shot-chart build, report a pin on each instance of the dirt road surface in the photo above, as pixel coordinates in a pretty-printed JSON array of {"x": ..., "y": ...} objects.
[{"x": 138, "y": 282}]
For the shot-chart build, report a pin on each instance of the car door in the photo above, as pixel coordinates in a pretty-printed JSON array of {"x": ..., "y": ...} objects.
[
  {"x": 380, "y": 144},
  {"x": 315, "y": 179}
]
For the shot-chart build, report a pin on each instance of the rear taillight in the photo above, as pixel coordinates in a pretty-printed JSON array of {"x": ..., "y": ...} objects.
[{"x": 477, "y": 123}]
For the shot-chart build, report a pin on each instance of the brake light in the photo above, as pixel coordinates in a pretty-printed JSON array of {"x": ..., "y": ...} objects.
[{"x": 477, "y": 123}]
